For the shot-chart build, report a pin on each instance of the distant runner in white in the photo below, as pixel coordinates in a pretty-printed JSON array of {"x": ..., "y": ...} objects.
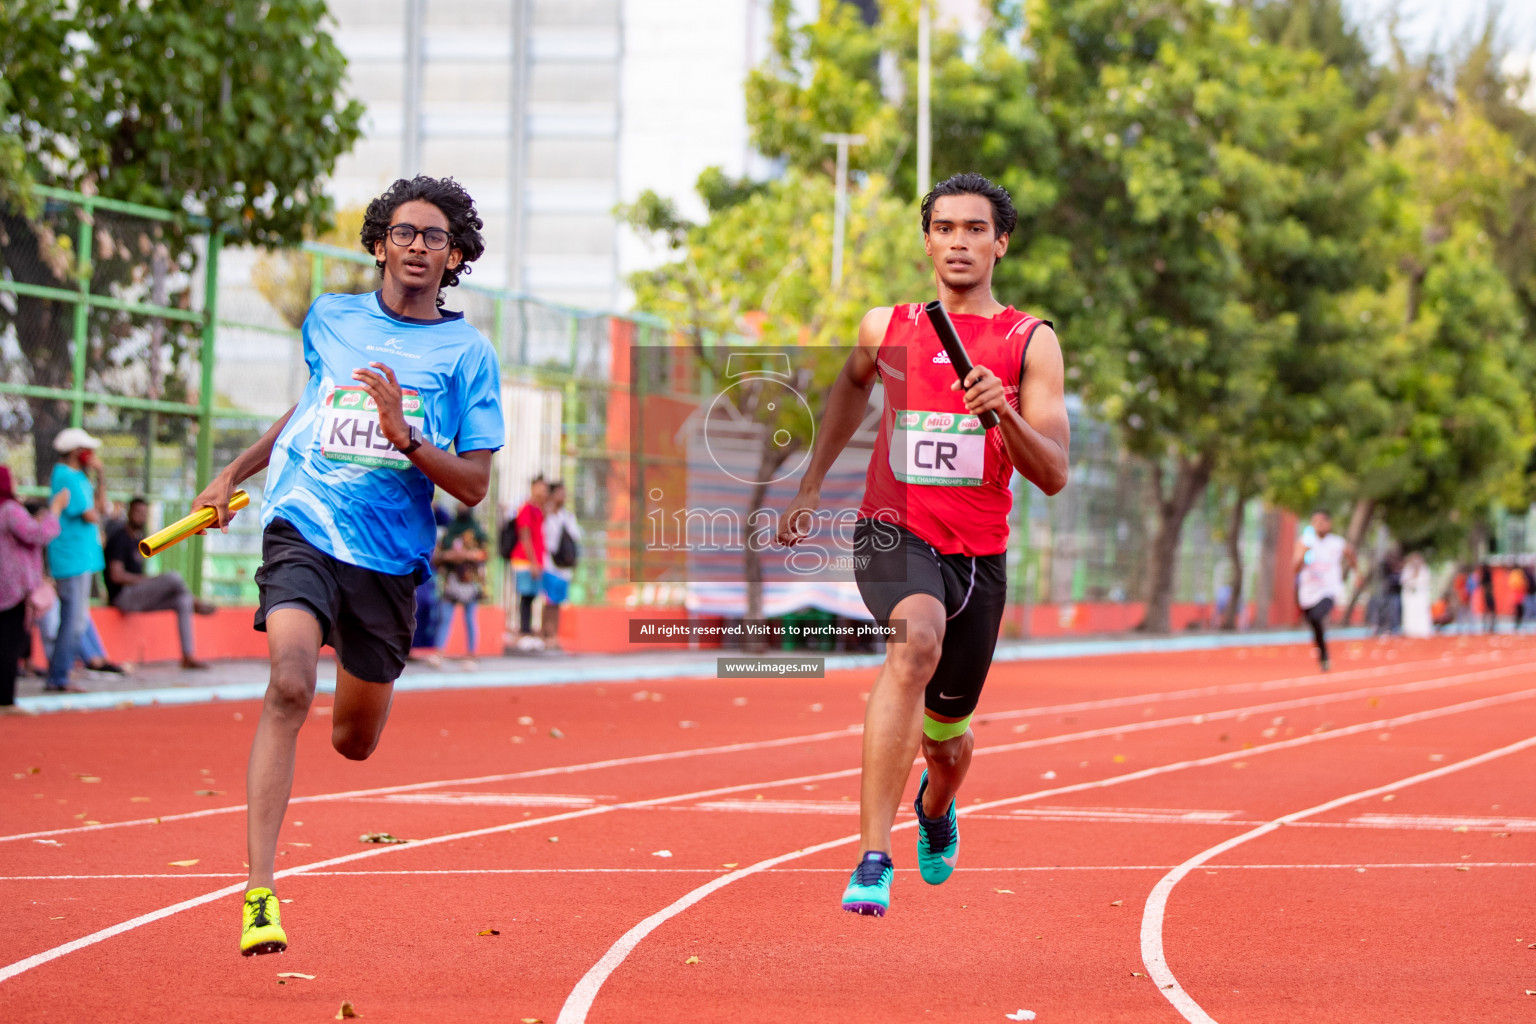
[{"x": 1319, "y": 565}]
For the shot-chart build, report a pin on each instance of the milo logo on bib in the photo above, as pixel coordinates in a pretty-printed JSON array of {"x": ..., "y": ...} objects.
[
  {"x": 946, "y": 450},
  {"x": 350, "y": 430}
]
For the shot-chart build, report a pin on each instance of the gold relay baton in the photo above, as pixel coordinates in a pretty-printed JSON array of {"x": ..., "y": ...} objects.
[{"x": 181, "y": 529}]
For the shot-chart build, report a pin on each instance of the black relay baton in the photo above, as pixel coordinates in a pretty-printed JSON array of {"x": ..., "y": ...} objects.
[{"x": 944, "y": 327}]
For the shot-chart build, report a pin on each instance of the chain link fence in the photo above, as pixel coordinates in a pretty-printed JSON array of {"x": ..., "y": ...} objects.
[{"x": 137, "y": 325}]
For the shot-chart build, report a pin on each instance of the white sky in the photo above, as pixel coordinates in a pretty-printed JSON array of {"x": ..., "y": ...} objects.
[{"x": 1440, "y": 24}]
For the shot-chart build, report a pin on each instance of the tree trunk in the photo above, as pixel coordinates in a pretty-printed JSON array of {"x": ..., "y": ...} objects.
[
  {"x": 44, "y": 332},
  {"x": 1359, "y": 520},
  {"x": 1235, "y": 555},
  {"x": 1188, "y": 484},
  {"x": 772, "y": 459}
]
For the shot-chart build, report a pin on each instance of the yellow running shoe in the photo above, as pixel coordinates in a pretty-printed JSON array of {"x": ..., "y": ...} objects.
[{"x": 262, "y": 932}]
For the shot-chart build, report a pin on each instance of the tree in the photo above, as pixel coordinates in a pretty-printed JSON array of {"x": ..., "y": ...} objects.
[
  {"x": 286, "y": 278},
  {"x": 210, "y": 107},
  {"x": 760, "y": 268}
]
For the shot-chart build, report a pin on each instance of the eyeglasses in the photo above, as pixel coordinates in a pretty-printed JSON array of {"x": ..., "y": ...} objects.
[{"x": 404, "y": 234}]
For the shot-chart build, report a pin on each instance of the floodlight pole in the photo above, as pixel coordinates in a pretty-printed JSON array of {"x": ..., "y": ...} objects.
[
  {"x": 924, "y": 92},
  {"x": 410, "y": 155},
  {"x": 840, "y": 216}
]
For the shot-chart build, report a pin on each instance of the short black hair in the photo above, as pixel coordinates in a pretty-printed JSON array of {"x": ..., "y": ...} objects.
[
  {"x": 137, "y": 499},
  {"x": 1004, "y": 217},
  {"x": 464, "y": 223}
]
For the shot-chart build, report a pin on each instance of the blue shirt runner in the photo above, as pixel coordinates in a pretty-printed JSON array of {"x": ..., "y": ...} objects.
[{"x": 333, "y": 475}]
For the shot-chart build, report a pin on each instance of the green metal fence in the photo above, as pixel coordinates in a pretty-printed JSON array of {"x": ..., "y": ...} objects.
[
  {"x": 137, "y": 324},
  {"x": 107, "y": 321}
]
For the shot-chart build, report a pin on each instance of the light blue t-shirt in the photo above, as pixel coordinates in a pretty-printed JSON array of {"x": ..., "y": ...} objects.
[
  {"x": 333, "y": 476},
  {"x": 77, "y": 548}
]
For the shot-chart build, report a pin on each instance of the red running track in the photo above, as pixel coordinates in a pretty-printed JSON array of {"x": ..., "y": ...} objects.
[{"x": 1404, "y": 894}]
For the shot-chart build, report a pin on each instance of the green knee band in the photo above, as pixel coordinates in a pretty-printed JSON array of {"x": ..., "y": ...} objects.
[{"x": 941, "y": 731}]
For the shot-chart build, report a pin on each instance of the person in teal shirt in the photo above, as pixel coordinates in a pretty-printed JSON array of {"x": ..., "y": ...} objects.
[{"x": 74, "y": 556}]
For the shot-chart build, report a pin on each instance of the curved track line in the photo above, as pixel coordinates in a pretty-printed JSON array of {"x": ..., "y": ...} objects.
[
  {"x": 732, "y": 748},
  {"x": 1152, "y": 954},
  {"x": 37, "y": 960},
  {"x": 26, "y": 964},
  {"x": 579, "y": 1003}
]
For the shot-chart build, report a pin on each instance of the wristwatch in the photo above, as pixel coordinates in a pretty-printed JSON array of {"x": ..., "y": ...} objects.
[{"x": 417, "y": 440}]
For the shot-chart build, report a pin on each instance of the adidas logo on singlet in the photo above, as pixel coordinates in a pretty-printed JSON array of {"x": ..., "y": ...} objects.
[{"x": 942, "y": 357}]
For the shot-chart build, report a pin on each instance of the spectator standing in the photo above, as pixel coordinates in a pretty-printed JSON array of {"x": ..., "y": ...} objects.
[
  {"x": 562, "y": 538},
  {"x": 129, "y": 590},
  {"x": 74, "y": 556},
  {"x": 528, "y": 561},
  {"x": 462, "y": 554},
  {"x": 1417, "y": 618},
  {"x": 22, "y": 538},
  {"x": 1528, "y": 604},
  {"x": 1490, "y": 603},
  {"x": 1516, "y": 582}
]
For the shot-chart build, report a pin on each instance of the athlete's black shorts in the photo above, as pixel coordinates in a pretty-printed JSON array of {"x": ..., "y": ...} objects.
[
  {"x": 368, "y": 617},
  {"x": 891, "y": 562}
]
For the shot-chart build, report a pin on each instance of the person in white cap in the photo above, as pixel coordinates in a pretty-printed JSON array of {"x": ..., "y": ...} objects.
[{"x": 74, "y": 556}]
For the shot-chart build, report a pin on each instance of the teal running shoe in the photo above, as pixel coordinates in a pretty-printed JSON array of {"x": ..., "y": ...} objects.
[
  {"x": 938, "y": 840},
  {"x": 869, "y": 890}
]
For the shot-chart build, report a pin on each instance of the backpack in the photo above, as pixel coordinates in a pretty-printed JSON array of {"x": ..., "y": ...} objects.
[{"x": 566, "y": 552}]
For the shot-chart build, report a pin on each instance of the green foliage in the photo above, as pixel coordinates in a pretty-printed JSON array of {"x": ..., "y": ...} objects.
[{"x": 214, "y": 106}]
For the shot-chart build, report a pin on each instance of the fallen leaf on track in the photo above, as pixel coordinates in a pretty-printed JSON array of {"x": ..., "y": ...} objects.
[
  {"x": 1461, "y": 828},
  {"x": 662, "y": 853},
  {"x": 90, "y": 778},
  {"x": 1021, "y": 728},
  {"x": 138, "y": 799},
  {"x": 48, "y": 842},
  {"x": 1007, "y": 891},
  {"x": 533, "y": 1020},
  {"x": 691, "y": 960},
  {"x": 380, "y": 837},
  {"x": 1047, "y": 775},
  {"x": 184, "y": 863},
  {"x": 488, "y": 931},
  {"x": 1118, "y": 903},
  {"x": 525, "y": 720},
  {"x": 1118, "y": 759},
  {"x": 1462, "y": 867},
  {"x": 1389, "y": 798},
  {"x": 556, "y": 734},
  {"x": 731, "y": 865},
  {"x": 687, "y": 725},
  {"x": 554, "y": 839},
  {"x": 1021, "y": 1015},
  {"x": 295, "y": 974},
  {"x": 346, "y": 1011},
  {"x": 208, "y": 792},
  {"x": 1137, "y": 974}
]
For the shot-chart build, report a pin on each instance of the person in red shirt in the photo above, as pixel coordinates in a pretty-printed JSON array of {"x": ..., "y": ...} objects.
[
  {"x": 931, "y": 541},
  {"x": 528, "y": 561}
]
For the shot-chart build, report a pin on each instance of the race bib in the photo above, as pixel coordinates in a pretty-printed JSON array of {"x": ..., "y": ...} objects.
[
  {"x": 947, "y": 449},
  {"x": 350, "y": 431}
]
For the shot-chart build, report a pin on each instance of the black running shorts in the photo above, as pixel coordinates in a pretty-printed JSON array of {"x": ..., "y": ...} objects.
[
  {"x": 367, "y": 617},
  {"x": 891, "y": 563}
]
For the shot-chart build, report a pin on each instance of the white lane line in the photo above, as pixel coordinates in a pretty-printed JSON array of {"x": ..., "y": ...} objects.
[
  {"x": 24, "y": 965},
  {"x": 579, "y": 1003},
  {"x": 1001, "y": 748},
  {"x": 732, "y": 748},
  {"x": 1152, "y": 953},
  {"x": 28, "y": 963},
  {"x": 1456, "y": 865}
]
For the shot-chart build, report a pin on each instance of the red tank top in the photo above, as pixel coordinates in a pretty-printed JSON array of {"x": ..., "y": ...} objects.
[{"x": 934, "y": 469}]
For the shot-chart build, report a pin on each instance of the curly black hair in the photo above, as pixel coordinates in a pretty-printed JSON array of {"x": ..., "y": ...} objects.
[
  {"x": 1004, "y": 217},
  {"x": 464, "y": 223}
]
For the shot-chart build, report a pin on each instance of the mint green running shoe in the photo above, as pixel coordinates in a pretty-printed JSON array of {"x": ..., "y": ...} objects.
[
  {"x": 869, "y": 890},
  {"x": 938, "y": 840}
]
